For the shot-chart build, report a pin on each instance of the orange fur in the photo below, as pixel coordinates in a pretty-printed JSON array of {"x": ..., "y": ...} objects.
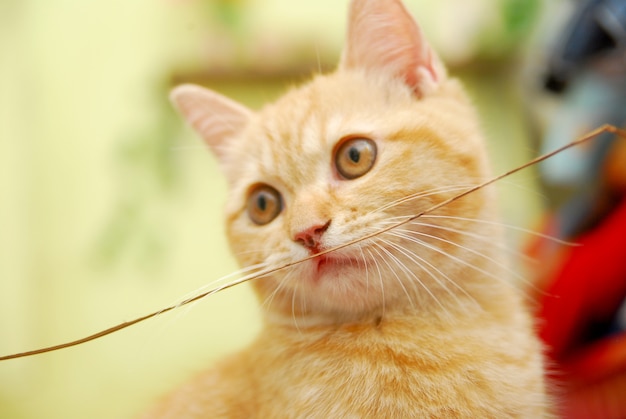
[{"x": 422, "y": 321}]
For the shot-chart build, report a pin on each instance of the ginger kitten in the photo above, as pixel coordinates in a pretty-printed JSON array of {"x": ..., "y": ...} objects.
[{"x": 419, "y": 321}]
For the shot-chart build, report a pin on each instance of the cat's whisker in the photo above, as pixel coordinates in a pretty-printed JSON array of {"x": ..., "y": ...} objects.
[
  {"x": 250, "y": 252},
  {"x": 416, "y": 282},
  {"x": 269, "y": 299},
  {"x": 530, "y": 190},
  {"x": 367, "y": 276},
  {"x": 403, "y": 220},
  {"x": 504, "y": 225},
  {"x": 408, "y": 236},
  {"x": 480, "y": 237},
  {"x": 465, "y": 248},
  {"x": 410, "y": 273},
  {"x": 380, "y": 278},
  {"x": 267, "y": 302},
  {"x": 190, "y": 300},
  {"x": 421, "y": 194},
  {"x": 303, "y": 305},
  {"x": 393, "y": 271},
  {"x": 519, "y": 255},
  {"x": 293, "y": 310},
  {"x": 428, "y": 213},
  {"x": 249, "y": 270},
  {"x": 426, "y": 266}
]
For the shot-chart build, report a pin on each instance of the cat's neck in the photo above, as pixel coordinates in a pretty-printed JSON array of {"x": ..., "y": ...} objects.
[
  {"x": 492, "y": 299},
  {"x": 371, "y": 319}
]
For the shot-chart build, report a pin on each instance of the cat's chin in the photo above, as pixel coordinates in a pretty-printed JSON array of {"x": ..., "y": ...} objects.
[
  {"x": 329, "y": 267},
  {"x": 339, "y": 283},
  {"x": 328, "y": 289}
]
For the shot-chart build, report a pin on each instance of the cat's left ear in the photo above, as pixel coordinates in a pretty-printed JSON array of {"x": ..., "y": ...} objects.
[
  {"x": 383, "y": 36},
  {"x": 215, "y": 117}
]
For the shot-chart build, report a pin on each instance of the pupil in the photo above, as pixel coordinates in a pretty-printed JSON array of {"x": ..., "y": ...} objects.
[
  {"x": 354, "y": 154},
  {"x": 262, "y": 203}
]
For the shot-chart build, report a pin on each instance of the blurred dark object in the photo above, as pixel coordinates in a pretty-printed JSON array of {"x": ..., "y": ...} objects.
[{"x": 598, "y": 28}]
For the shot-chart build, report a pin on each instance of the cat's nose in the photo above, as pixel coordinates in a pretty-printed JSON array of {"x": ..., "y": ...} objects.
[{"x": 310, "y": 237}]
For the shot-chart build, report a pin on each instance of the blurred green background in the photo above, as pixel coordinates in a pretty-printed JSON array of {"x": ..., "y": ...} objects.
[{"x": 110, "y": 207}]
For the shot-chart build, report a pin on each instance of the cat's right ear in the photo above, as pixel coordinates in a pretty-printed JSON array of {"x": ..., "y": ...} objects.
[
  {"x": 215, "y": 117},
  {"x": 384, "y": 37}
]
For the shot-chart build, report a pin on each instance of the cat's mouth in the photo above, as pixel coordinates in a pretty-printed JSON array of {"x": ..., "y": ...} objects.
[
  {"x": 322, "y": 261},
  {"x": 331, "y": 263}
]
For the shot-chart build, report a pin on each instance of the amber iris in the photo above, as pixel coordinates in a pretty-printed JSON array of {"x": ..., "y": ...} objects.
[
  {"x": 264, "y": 204},
  {"x": 355, "y": 157}
]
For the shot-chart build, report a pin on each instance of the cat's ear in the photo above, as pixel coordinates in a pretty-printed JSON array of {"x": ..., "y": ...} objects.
[
  {"x": 383, "y": 36},
  {"x": 215, "y": 117}
]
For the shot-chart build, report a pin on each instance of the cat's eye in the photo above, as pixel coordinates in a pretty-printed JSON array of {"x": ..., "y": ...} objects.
[
  {"x": 264, "y": 204},
  {"x": 354, "y": 157}
]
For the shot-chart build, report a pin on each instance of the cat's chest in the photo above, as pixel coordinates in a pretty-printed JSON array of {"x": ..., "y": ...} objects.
[
  {"x": 415, "y": 368},
  {"x": 349, "y": 374}
]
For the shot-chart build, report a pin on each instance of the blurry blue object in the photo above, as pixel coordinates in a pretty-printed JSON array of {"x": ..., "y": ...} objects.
[
  {"x": 598, "y": 27},
  {"x": 594, "y": 99},
  {"x": 589, "y": 69}
]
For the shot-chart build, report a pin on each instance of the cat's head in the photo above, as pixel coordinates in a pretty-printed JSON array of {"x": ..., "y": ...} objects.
[{"x": 333, "y": 160}]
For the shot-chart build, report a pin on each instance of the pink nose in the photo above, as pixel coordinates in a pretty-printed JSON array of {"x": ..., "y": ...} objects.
[{"x": 311, "y": 237}]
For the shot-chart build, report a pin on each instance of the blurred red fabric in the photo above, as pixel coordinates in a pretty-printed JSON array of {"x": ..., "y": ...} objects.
[{"x": 587, "y": 287}]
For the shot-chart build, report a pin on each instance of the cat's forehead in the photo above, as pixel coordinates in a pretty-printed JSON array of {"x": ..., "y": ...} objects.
[
  {"x": 293, "y": 138},
  {"x": 290, "y": 143}
]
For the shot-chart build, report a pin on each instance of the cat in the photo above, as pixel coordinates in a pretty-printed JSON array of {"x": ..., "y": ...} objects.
[{"x": 421, "y": 320}]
